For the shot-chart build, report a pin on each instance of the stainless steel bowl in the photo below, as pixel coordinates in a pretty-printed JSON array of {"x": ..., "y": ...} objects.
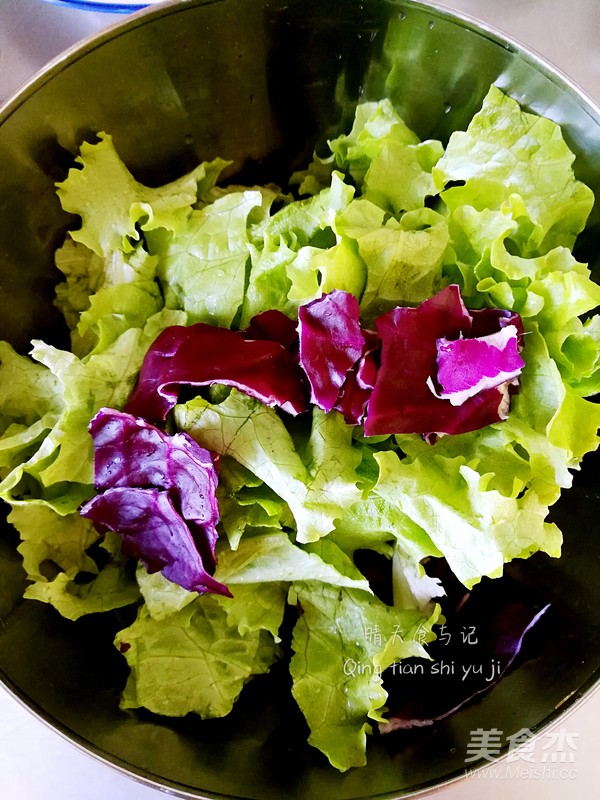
[{"x": 261, "y": 82}]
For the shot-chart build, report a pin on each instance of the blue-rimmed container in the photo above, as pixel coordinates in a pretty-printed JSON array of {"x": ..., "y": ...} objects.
[{"x": 121, "y": 7}]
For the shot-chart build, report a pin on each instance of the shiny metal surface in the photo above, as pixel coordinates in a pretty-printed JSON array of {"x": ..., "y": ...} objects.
[{"x": 260, "y": 82}]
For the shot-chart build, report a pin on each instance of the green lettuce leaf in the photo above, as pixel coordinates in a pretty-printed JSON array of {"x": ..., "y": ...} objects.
[
  {"x": 247, "y": 504},
  {"x": 403, "y": 259},
  {"x": 506, "y": 151},
  {"x": 269, "y": 283},
  {"x": 317, "y": 484},
  {"x": 578, "y": 355},
  {"x": 50, "y": 541},
  {"x": 342, "y": 641},
  {"x": 399, "y": 177},
  {"x": 552, "y": 291},
  {"x": 59, "y": 469},
  {"x": 29, "y": 391},
  {"x": 375, "y": 124},
  {"x": 123, "y": 293},
  {"x": 256, "y": 607},
  {"x": 295, "y": 255},
  {"x": 202, "y": 269},
  {"x": 273, "y": 557},
  {"x": 301, "y": 222},
  {"x": 161, "y": 596},
  {"x": 112, "y": 587},
  {"x": 105, "y": 379},
  {"x": 253, "y": 607},
  {"x": 477, "y": 529},
  {"x": 316, "y": 270},
  {"x": 392, "y": 168},
  {"x": 85, "y": 273},
  {"x": 113, "y": 206},
  {"x": 192, "y": 660}
]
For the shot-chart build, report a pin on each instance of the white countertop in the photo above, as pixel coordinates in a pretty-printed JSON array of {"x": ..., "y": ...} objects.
[{"x": 37, "y": 762}]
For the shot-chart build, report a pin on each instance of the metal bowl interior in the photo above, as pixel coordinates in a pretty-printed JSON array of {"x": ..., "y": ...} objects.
[{"x": 262, "y": 82}]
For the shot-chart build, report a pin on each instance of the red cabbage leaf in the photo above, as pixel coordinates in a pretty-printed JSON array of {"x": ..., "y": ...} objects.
[
  {"x": 202, "y": 354},
  {"x": 402, "y": 400},
  {"x": 482, "y": 638},
  {"x": 274, "y": 326},
  {"x": 331, "y": 342},
  {"x": 468, "y": 366},
  {"x": 337, "y": 355},
  {"x": 356, "y": 391},
  {"x": 159, "y": 493}
]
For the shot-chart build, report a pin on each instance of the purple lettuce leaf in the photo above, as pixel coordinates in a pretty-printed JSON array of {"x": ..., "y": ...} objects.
[
  {"x": 274, "y": 326},
  {"x": 402, "y": 400},
  {"x": 331, "y": 344},
  {"x": 482, "y": 638},
  {"x": 490, "y": 320},
  {"x": 356, "y": 391},
  {"x": 466, "y": 367},
  {"x": 152, "y": 531},
  {"x": 202, "y": 354},
  {"x": 159, "y": 493}
]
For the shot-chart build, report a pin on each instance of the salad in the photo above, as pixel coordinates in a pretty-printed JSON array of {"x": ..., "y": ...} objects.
[{"x": 290, "y": 420}]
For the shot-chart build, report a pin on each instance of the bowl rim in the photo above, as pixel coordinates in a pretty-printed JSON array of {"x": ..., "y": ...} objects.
[{"x": 146, "y": 13}]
